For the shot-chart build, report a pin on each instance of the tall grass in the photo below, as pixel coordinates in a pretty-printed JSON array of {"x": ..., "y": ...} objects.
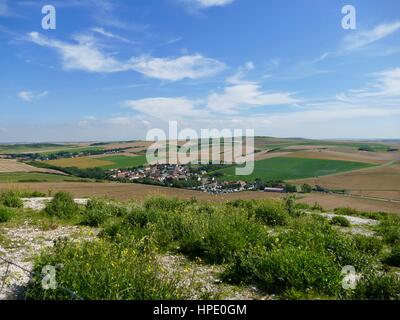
[{"x": 103, "y": 270}]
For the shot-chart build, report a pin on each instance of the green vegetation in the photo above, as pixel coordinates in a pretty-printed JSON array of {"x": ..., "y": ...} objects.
[
  {"x": 340, "y": 221},
  {"x": 293, "y": 168},
  {"x": 394, "y": 258},
  {"x": 11, "y": 199},
  {"x": 5, "y": 214},
  {"x": 105, "y": 270},
  {"x": 122, "y": 162},
  {"x": 62, "y": 206},
  {"x": 31, "y": 177},
  {"x": 371, "y": 147},
  {"x": 33, "y": 147},
  {"x": 273, "y": 245}
]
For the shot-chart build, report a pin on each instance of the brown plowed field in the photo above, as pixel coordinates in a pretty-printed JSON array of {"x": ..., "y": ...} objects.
[
  {"x": 380, "y": 182},
  {"x": 8, "y": 166},
  {"x": 140, "y": 192}
]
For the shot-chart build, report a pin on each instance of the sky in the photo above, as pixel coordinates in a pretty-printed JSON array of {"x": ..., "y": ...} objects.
[{"x": 113, "y": 70}]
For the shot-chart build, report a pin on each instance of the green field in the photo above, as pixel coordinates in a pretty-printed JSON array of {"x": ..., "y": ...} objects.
[
  {"x": 293, "y": 168},
  {"x": 121, "y": 162},
  {"x": 373, "y": 147},
  {"x": 35, "y": 177}
]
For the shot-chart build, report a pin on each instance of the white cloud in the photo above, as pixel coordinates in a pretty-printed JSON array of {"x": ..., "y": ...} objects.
[
  {"x": 237, "y": 78},
  {"x": 241, "y": 96},
  {"x": 212, "y": 3},
  {"x": 191, "y": 67},
  {"x": 30, "y": 96},
  {"x": 386, "y": 86},
  {"x": 85, "y": 55},
  {"x": 111, "y": 35},
  {"x": 364, "y": 38},
  {"x": 81, "y": 56},
  {"x": 167, "y": 108}
]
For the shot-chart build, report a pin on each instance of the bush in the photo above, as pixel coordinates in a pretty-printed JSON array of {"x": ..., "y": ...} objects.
[
  {"x": 354, "y": 212},
  {"x": 389, "y": 229},
  {"x": 166, "y": 204},
  {"x": 11, "y": 199},
  {"x": 394, "y": 258},
  {"x": 286, "y": 269},
  {"x": 340, "y": 221},
  {"x": 97, "y": 211},
  {"x": 272, "y": 213},
  {"x": 369, "y": 245},
  {"x": 5, "y": 214},
  {"x": 376, "y": 286},
  {"x": 102, "y": 270},
  {"x": 62, "y": 206}
]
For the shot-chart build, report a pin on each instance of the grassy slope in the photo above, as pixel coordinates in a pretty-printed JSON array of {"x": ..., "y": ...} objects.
[
  {"x": 294, "y": 168},
  {"x": 35, "y": 177},
  {"x": 124, "y": 161},
  {"x": 109, "y": 162}
]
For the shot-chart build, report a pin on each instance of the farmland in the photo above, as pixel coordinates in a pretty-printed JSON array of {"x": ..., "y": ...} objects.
[
  {"x": 34, "y": 177},
  {"x": 106, "y": 163},
  {"x": 281, "y": 168},
  {"x": 141, "y": 192}
]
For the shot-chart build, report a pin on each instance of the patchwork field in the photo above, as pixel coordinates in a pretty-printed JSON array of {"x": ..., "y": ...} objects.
[
  {"x": 381, "y": 182},
  {"x": 11, "y": 166},
  {"x": 140, "y": 192},
  {"x": 109, "y": 162},
  {"x": 35, "y": 177},
  {"x": 281, "y": 168}
]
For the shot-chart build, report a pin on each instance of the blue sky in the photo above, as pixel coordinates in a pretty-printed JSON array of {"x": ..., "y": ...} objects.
[{"x": 115, "y": 69}]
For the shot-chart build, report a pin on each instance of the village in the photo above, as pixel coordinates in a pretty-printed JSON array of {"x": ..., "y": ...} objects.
[{"x": 189, "y": 177}]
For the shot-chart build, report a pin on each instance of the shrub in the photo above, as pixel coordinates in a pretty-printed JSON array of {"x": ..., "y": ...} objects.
[
  {"x": 102, "y": 270},
  {"x": 62, "y": 206},
  {"x": 11, "y": 199},
  {"x": 394, "y": 258},
  {"x": 97, "y": 211},
  {"x": 389, "y": 229},
  {"x": 354, "y": 212},
  {"x": 166, "y": 204},
  {"x": 374, "y": 286},
  {"x": 5, "y": 214},
  {"x": 340, "y": 221},
  {"x": 288, "y": 269},
  {"x": 369, "y": 245},
  {"x": 272, "y": 213}
]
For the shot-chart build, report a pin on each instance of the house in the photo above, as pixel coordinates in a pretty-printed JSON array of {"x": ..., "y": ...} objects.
[{"x": 277, "y": 190}]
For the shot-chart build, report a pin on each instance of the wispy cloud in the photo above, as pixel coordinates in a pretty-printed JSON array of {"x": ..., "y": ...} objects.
[
  {"x": 30, "y": 96},
  {"x": 87, "y": 56},
  {"x": 199, "y": 5},
  {"x": 212, "y": 3},
  {"x": 237, "y": 98},
  {"x": 364, "y": 38},
  {"x": 4, "y": 11},
  {"x": 166, "y": 108},
  {"x": 111, "y": 35},
  {"x": 174, "y": 69}
]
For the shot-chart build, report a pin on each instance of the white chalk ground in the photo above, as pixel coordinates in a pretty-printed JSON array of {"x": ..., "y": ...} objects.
[
  {"x": 21, "y": 246},
  {"x": 23, "y": 243},
  {"x": 40, "y": 203}
]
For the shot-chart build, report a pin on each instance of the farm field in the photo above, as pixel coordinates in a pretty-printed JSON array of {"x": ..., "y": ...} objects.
[
  {"x": 35, "y": 177},
  {"x": 45, "y": 148},
  {"x": 108, "y": 162},
  {"x": 358, "y": 156},
  {"x": 381, "y": 182},
  {"x": 8, "y": 166},
  {"x": 140, "y": 192},
  {"x": 281, "y": 168}
]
